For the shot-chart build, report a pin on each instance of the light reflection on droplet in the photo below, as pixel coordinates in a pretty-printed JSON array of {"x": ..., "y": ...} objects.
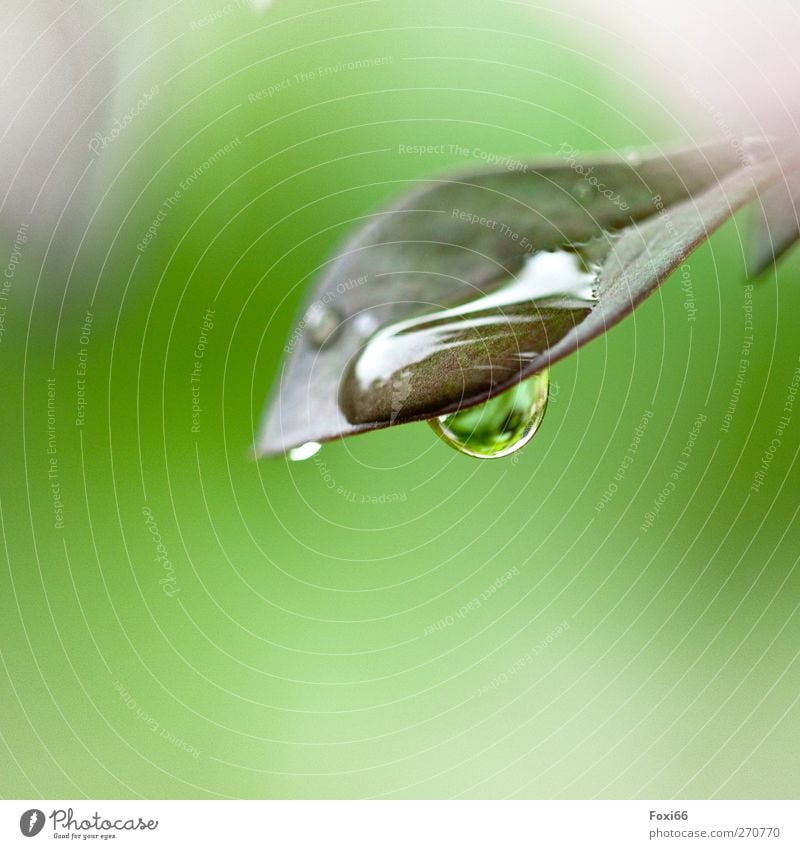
[{"x": 322, "y": 324}]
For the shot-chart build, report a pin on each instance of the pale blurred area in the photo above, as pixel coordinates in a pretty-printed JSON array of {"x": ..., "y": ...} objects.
[
  {"x": 57, "y": 73},
  {"x": 716, "y": 65},
  {"x": 707, "y": 67}
]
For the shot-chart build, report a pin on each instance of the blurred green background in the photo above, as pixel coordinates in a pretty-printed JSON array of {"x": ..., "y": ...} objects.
[{"x": 389, "y": 618}]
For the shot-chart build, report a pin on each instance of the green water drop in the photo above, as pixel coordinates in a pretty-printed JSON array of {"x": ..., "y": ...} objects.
[{"x": 500, "y": 426}]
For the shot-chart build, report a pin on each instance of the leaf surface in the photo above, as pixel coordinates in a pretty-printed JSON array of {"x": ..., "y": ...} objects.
[{"x": 457, "y": 238}]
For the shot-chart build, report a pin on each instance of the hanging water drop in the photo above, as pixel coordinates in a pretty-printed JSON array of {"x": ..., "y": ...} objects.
[{"x": 500, "y": 426}]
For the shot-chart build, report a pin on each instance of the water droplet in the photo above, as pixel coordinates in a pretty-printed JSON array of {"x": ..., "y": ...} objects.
[
  {"x": 417, "y": 367},
  {"x": 322, "y": 323},
  {"x": 502, "y": 425},
  {"x": 304, "y": 451},
  {"x": 583, "y": 191}
]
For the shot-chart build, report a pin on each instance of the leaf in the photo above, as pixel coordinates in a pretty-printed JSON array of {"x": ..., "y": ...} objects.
[{"x": 460, "y": 237}]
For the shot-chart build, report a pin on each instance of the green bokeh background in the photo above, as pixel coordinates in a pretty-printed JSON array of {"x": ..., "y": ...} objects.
[{"x": 319, "y": 640}]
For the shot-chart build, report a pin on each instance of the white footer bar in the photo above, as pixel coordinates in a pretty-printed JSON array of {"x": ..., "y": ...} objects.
[{"x": 402, "y": 824}]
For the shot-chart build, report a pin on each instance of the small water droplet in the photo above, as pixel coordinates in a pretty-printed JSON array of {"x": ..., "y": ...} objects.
[
  {"x": 502, "y": 425},
  {"x": 583, "y": 191},
  {"x": 304, "y": 451},
  {"x": 322, "y": 323}
]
